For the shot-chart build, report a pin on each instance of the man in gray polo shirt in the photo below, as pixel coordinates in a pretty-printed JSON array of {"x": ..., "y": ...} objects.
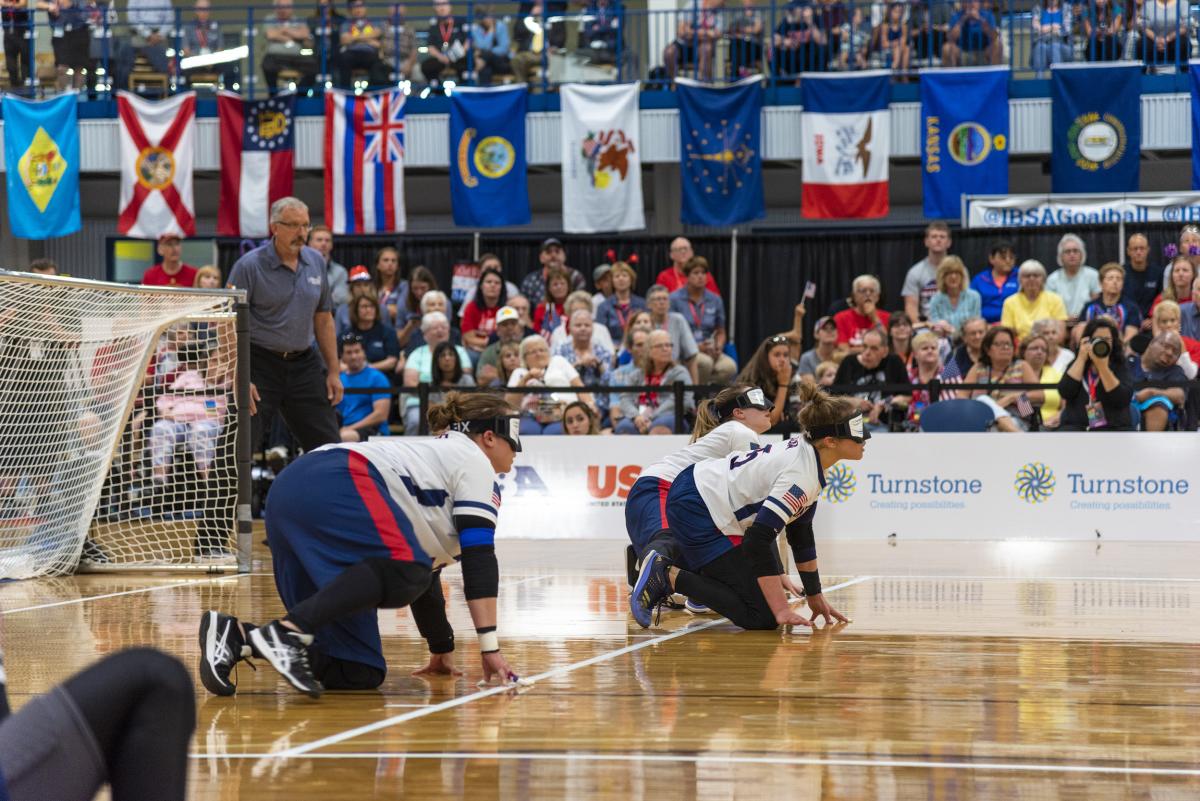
[{"x": 288, "y": 292}]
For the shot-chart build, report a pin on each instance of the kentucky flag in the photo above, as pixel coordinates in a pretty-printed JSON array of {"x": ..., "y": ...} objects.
[
  {"x": 1097, "y": 127},
  {"x": 41, "y": 156},
  {"x": 721, "y": 152},
  {"x": 488, "y": 187},
  {"x": 1194, "y": 70},
  {"x": 964, "y": 141}
]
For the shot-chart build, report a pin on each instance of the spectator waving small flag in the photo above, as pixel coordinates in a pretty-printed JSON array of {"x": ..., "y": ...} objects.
[
  {"x": 257, "y": 147},
  {"x": 364, "y": 162},
  {"x": 847, "y": 143}
]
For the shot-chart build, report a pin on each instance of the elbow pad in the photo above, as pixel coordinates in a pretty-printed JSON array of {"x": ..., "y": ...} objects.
[
  {"x": 481, "y": 572},
  {"x": 429, "y": 612},
  {"x": 801, "y": 539},
  {"x": 759, "y": 544}
]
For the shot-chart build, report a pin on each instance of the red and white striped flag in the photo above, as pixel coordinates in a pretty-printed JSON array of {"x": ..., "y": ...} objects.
[
  {"x": 257, "y": 160},
  {"x": 157, "y": 151},
  {"x": 364, "y": 162}
]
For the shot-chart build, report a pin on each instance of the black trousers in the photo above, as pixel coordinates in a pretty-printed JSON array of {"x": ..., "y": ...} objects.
[
  {"x": 16, "y": 57},
  {"x": 295, "y": 389},
  {"x": 729, "y": 587}
]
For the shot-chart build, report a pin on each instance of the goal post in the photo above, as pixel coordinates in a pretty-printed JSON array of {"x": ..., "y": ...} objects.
[{"x": 124, "y": 428}]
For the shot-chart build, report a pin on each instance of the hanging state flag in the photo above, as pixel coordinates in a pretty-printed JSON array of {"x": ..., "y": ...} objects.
[
  {"x": 846, "y": 128},
  {"x": 1194, "y": 70},
  {"x": 257, "y": 160},
  {"x": 41, "y": 157},
  {"x": 601, "y": 158},
  {"x": 1097, "y": 127},
  {"x": 964, "y": 146},
  {"x": 488, "y": 184},
  {"x": 157, "y": 151},
  {"x": 364, "y": 162},
  {"x": 721, "y": 151}
]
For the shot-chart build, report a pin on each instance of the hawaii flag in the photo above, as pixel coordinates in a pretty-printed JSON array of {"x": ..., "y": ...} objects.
[
  {"x": 601, "y": 157},
  {"x": 257, "y": 146},
  {"x": 157, "y": 147},
  {"x": 364, "y": 162},
  {"x": 847, "y": 141}
]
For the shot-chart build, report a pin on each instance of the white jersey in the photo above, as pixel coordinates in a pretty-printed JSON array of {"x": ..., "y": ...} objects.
[
  {"x": 773, "y": 485},
  {"x": 432, "y": 480},
  {"x": 730, "y": 437}
]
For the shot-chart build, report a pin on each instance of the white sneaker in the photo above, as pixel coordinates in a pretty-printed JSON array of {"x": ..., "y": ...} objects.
[{"x": 287, "y": 651}]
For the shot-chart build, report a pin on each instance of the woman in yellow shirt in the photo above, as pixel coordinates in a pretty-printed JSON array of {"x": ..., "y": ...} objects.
[
  {"x": 1035, "y": 351},
  {"x": 1034, "y": 302}
]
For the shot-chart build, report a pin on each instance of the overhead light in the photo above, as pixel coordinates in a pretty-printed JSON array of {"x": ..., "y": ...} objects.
[{"x": 219, "y": 57}]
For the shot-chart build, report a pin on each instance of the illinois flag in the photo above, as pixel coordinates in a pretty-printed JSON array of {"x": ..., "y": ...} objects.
[
  {"x": 488, "y": 185},
  {"x": 257, "y": 147},
  {"x": 847, "y": 142},
  {"x": 41, "y": 157},
  {"x": 364, "y": 162},
  {"x": 721, "y": 151},
  {"x": 157, "y": 151},
  {"x": 601, "y": 158}
]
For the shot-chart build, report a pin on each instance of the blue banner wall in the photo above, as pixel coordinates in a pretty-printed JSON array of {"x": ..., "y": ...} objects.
[
  {"x": 1097, "y": 130},
  {"x": 964, "y": 141},
  {"x": 41, "y": 155},
  {"x": 1194, "y": 70},
  {"x": 721, "y": 152},
  {"x": 488, "y": 186}
]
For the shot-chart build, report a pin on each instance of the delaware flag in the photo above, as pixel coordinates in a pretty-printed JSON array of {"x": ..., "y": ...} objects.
[
  {"x": 1097, "y": 130},
  {"x": 488, "y": 187},
  {"x": 601, "y": 158},
  {"x": 257, "y": 146},
  {"x": 964, "y": 141},
  {"x": 364, "y": 162},
  {"x": 41, "y": 157},
  {"x": 721, "y": 151},
  {"x": 847, "y": 143},
  {"x": 1194, "y": 69}
]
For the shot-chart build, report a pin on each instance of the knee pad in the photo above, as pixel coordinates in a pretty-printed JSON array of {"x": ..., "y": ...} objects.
[
  {"x": 157, "y": 669},
  {"x": 403, "y": 582},
  {"x": 342, "y": 674}
]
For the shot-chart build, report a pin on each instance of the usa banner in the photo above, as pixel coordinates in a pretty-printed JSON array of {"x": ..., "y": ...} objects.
[
  {"x": 601, "y": 158},
  {"x": 847, "y": 143},
  {"x": 257, "y": 160},
  {"x": 1097, "y": 127},
  {"x": 1194, "y": 71},
  {"x": 364, "y": 162},
  {"x": 488, "y": 185},
  {"x": 157, "y": 151},
  {"x": 41, "y": 159},
  {"x": 964, "y": 142},
  {"x": 721, "y": 151}
]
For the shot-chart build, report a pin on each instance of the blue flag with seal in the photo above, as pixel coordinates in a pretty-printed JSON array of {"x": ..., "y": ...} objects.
[
  {"x": 488, "y": 186},
  {"x": 1194, "y": 70},
  {"x": 1097, "y": 127},
  {"x": 721, "y": 151},
  {"x": 964, "y": 142},
  {"x": 41, "y": 155}
]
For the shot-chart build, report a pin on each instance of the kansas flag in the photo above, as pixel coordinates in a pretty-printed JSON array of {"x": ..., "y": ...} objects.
[
  {"x": 964, "y": 136},
  {"x": 488, "y": 186},
  {"x": 41, "y": 155},
  {"x": 1097, "y": 127},
  {"x": 721, "y": 151}
]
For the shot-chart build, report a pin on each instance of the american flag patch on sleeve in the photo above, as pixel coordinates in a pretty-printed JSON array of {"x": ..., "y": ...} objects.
[
  {"x": 795, "y": 498},
  {"x": 496, "y": 495}
]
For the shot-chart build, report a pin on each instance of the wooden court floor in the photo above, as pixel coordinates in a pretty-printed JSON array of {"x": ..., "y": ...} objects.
[{"x": 1010, "y": 670}]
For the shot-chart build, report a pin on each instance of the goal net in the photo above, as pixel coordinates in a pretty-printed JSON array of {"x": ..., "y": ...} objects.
[{"x": 118, "y": 427}]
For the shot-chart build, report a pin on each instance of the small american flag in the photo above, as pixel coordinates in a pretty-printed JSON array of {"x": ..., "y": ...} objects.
[
  {"x": 795, "y": 498},
  {"x": 496, "y": 495}
]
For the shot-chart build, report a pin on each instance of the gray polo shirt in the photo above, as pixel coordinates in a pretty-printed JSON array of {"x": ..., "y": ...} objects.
[{"x": 282, "y": 302}]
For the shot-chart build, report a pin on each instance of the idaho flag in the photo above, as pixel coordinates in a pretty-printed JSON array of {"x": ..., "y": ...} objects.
[
  {"x": 1097, "y": 127},
  {"x": 41, "y": 155},
  {"x": 488, "y": 187},
  {"x": 964, "y": 142},
  {"x": 721, "y": 152}
]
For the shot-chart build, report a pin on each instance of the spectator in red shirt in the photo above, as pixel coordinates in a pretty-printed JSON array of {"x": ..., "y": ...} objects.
[
  {"x": 549, "y": 313},
  {"x": 479, "y": 314},
  {"x": 862, "y": 316},
  {"x": 674, "y": 276},
  {"x": 171, "y": 271}
]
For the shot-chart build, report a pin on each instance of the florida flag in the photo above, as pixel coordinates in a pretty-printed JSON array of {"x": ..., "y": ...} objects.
[
  {"x": 846, "y": 144},
  {"x": 257, "y": 146},
  {"x": 364, "y": 162},
  {"x": 157, "y": 151}
]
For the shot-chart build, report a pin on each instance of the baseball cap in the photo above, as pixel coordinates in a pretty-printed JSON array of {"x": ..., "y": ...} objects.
[
  {"x": 359, "y": 273},
  {"x": 824, "y": 321},
  {"x": 507, "y": 313},
  {"x": 551, "y": 243},
  {"x": 601, "y": 271}
]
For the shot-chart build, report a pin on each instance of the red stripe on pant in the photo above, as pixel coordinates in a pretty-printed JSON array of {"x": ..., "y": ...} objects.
[
  {"x": 664, "y": 487},
  {"x": 735, "y": 539},
  {"x": 377, "y": 507}
]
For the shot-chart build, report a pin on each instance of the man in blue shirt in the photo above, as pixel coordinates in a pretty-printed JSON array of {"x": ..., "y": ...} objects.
[
  {"x": 996, "y": 284},
  {"x": 973, "y": 39},
  {"x": 362, "y": 415},
  {"x": 704, "y": 312}
]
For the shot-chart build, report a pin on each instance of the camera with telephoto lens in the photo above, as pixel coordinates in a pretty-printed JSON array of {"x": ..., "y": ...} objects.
[{"x": 1101, "y": 348}]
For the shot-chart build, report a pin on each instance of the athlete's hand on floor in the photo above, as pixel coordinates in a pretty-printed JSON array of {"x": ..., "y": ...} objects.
[
  {"x": 789, "y": 617},
  {"x": 495, "y": 666},
  {"x": 439, "y": 665},
  {"x": 821, "y": 608}
]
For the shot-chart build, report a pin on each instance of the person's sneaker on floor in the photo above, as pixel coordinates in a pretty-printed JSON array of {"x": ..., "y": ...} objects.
[
  {"x": 651, "y": 590},
  {"x": 695, "y": 607},
  {"x": 287, "y": 651},
  {"x": 221, "y": 648}
]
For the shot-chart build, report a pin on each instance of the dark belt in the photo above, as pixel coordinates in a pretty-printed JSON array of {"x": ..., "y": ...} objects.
[{"x": 286, "y": 355}]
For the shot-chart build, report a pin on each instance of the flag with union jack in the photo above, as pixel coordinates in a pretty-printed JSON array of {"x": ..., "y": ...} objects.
[{"x": 364, "y": 162}]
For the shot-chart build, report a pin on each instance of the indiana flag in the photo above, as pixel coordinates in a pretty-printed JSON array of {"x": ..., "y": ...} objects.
[
  {"x": 257, "y": 147},
  {"x": 847, "y": 141},
  {"x": 157, "y": 151},
  {"x": 364, "y": 162}
]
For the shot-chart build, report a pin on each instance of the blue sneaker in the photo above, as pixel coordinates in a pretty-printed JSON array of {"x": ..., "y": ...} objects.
[
  {"x": 651, "y": 589},
  {"x": 695, "y": 607}
]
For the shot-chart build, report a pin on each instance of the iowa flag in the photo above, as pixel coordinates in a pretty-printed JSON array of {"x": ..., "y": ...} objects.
[
  {"x": 157, "y": 152},
  {"x": 41, "y": 156},
  {"x": 847, "y": 143},
  {"x": 364, "y": 162},
  {"x": 257, "y": 147}
]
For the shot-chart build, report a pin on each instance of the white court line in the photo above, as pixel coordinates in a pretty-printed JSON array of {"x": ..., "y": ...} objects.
[
  {"x": 171, "y": 586},
  {"x": 519, "y": 582},
  {"x": 549, "y": 674},
  {"x": 1034, "y": 578},
  {"x": 718, "y": 759}
]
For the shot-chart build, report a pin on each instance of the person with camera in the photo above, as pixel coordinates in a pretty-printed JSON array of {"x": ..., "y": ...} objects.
[{"x": 1098, "y": 387}]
